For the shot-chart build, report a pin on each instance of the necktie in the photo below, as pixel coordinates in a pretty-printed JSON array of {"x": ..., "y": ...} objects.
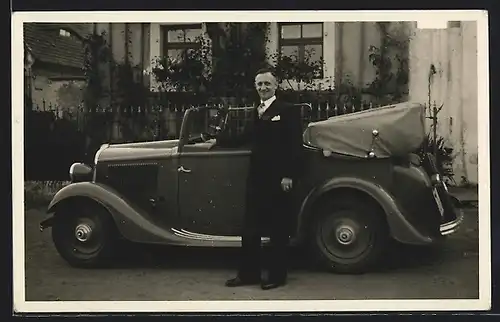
[{"x": 260, "y": 109}]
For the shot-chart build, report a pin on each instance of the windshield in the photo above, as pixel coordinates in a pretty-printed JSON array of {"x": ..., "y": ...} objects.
[
  {"x": 201, "y": 120},
  {"x": 213, "y": 120}
]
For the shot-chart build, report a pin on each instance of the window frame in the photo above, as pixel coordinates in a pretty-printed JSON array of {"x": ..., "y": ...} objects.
[
  {"x": 166, "y": 45},
  {"x": 302, "y": 41}
]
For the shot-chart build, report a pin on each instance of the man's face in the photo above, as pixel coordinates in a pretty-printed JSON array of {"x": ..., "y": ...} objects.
[{"x": 266, "y": 85}]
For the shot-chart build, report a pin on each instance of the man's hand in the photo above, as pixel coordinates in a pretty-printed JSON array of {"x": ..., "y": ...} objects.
[{"x": 286, "y": 184}]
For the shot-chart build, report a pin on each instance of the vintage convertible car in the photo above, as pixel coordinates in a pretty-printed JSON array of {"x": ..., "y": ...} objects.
[{"x": 363, "y": 187}]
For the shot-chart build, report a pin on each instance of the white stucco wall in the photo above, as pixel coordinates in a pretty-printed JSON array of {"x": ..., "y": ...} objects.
[{"x": 453, "y": 51}]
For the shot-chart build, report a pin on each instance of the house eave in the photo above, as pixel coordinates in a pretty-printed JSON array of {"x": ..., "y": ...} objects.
[{"x": 66, "y": 69}]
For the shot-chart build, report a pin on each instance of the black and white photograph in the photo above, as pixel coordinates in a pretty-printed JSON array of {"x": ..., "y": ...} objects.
[{"x": 250, "y": 161}]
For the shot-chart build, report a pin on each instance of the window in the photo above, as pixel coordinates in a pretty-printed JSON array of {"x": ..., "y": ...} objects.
[
  {"x": 301, "y": 41},
  {"x": 64, "y": 33},
  {"x": 176, "y": 39},
  {"x": 454, "y": 24}
]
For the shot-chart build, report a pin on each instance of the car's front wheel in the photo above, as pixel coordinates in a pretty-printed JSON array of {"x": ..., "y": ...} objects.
[
  {"x": 349, "y": 235},
  {"x": 84, "y": 236}
]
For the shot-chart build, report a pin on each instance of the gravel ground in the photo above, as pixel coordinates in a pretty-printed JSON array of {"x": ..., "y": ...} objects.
[{"x": 449, "y": 272}]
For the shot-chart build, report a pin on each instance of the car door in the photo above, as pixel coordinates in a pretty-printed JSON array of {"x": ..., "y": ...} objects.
[{"x": 212, "y": 189}]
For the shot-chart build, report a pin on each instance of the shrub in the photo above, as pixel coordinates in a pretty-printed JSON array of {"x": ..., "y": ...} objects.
[
  {"x": 40, "y": 193},
  {"x": 444, "y": 156}
]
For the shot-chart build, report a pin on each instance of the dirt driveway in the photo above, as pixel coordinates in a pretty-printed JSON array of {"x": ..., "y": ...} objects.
[{"x": 191, "y": 274}]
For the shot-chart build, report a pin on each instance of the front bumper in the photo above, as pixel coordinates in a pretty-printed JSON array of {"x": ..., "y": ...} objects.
[
  {"x": 452, "y": 226},
  {"x": 46, "y": 223}
]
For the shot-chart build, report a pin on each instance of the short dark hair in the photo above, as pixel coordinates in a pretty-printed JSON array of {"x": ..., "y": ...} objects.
[{"x": 265, "y": 70}]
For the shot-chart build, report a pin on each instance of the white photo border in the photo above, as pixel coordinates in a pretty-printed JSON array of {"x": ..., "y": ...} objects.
[{"x": 425, "y": 19}]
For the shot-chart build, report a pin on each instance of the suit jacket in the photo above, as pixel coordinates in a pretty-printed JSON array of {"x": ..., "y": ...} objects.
[{"x": 275, "y": 140}]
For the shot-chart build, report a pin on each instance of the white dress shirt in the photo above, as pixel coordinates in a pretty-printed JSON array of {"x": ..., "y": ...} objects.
[{"x": 264, "y": 105}]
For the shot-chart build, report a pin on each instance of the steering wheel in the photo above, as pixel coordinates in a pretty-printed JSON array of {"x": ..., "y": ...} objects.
[
  {"x": 200, "y": 138},
  {"x": 214, "y": 128},
  {"x": 205, "y": 136}
]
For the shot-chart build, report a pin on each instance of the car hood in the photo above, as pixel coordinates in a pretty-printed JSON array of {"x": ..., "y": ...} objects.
[{"x": 137, "y": 151}]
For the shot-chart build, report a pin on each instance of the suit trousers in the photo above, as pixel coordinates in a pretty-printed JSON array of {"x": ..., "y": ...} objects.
[{"x": 267, "y": 215}]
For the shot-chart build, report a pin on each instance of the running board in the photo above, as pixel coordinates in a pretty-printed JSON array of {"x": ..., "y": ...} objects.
[{"x": 212, "y": 238}]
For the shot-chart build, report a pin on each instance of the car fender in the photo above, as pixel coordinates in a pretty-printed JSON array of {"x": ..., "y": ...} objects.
[
  {"x": 400, "y": 228},
  {"x": 132, "y": 223}
]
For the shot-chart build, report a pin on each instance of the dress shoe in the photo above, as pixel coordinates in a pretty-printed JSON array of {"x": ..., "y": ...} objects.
[
  {"x": 267, "y": 285},
  {"x": 237, "y": 281}
]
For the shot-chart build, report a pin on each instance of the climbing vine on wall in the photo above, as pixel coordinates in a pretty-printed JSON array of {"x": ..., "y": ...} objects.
[
  {"x": 97, "y": 55},
  {"x": 390, "y": 61}
]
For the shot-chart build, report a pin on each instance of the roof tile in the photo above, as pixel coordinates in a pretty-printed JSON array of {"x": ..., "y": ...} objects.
[{"x": 48, "y": 46}]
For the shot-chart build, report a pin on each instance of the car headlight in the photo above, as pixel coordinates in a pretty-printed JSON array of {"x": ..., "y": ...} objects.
[{"x": 80, "y": 172}]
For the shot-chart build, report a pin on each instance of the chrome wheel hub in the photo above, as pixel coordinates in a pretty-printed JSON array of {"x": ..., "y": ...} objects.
[
  {"x": 83, "y": 232},
  {"x": 345, "y": 235}
]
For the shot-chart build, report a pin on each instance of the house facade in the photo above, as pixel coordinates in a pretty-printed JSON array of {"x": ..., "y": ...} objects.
[
  {"x": 344, "y": 46},
  {"x": 454, "y": 86},
  {"x": 54, "y": 59}
]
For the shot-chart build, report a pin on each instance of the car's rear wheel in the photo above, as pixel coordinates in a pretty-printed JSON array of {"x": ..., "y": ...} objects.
[
  {"x": 85, "y": 236},
  {"x": 349, "y": 235}
]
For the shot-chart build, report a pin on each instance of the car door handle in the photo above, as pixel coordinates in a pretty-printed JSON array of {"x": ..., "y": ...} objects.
[{"x": 182, "y": 169}]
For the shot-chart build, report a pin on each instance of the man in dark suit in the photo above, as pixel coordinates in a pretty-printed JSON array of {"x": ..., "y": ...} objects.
[{"x": 275, "y": 139}]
